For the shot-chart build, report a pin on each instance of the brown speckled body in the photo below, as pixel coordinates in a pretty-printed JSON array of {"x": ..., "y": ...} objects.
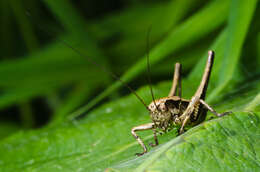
[{"x": 168, "y": 112}]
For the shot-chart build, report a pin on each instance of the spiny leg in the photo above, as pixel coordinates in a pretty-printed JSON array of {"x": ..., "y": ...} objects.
[
  {"x": 200, "y": 93},
  {"x": 143, "y": 127},
  {"x": 187, "y": 113},
  {"x": 181, "y": 131},
  {"x": 212, "y": 110},
  {"x": 190, "y": 109},
  {"x": 176, "y": 81},
  {"x": 202, "y": 89},
  {"x": 155, "y": 139}
]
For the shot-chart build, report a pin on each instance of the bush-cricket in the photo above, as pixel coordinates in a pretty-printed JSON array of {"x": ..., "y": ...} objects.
[
  {"x": 174, "y": 110},
  {"x": 171, "y": 110}
]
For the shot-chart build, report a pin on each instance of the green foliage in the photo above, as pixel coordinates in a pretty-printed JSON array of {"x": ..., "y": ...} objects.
[
  {"x": 181, "y": 36},
  {"x": 229, "y": 144},
  {"x": 103, "y": 140},
  {"x": 67, "y": 80}
]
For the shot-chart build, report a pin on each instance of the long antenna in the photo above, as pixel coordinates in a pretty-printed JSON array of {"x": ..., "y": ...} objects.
[
  {"x": 148, "y": 65},
  {"x": 105, "y": 70},
  {"x": 96, "y": 64}
]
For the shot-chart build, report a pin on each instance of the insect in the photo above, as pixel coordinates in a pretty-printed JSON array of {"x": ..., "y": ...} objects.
[
  {"x": 174, "y": 110},
  {"x": 168, "y": 111}
]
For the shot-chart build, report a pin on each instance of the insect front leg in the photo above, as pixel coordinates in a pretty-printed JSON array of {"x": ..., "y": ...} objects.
[
  {"x": 143, "y": 127},
  {"x": 155, "y": 139},
  {"x": 212, "y": 110}
]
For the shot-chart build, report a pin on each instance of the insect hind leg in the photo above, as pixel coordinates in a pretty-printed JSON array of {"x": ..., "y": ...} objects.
[
  {"x": 187, "y": 113},
  {"x": 176, "y": 83}
]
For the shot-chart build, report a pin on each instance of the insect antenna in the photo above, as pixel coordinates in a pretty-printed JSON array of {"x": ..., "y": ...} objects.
[
  {"x": 94, "y": 63},
  {"x": 148, "y": 65},
  {"x": 105, "y": 70}
]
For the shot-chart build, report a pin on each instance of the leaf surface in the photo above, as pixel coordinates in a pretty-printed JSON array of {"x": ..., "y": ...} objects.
[{"x": 103, "y": 140}]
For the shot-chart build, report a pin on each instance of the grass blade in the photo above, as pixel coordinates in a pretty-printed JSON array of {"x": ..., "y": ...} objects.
[{"x": 177, "y": 39}]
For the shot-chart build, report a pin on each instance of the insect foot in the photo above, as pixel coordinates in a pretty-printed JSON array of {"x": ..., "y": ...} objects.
[
  {"x": 140, "y": 154},
  {"x": 153, "y": 144},
  {"x": 225, "y": 113},
  {"x": 181, "y": 131}
]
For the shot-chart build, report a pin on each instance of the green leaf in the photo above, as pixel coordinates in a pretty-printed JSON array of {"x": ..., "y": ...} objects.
[
  {"x": 44, "y": 71},
  {"x": 186, "y": 33},
  {"x": 75, "y": 25},
  {"x": 24, "y": 24},
  {"x": 74, "y": 99},
  {"x": 227, "y": 144},
  {"x": 7, "y": 128},
  {"x": 103, "y": 140},
  {"x": 240, "y": 12},
  {"x": 69, "y": 19},
  {"x": 134, "y": 22}
]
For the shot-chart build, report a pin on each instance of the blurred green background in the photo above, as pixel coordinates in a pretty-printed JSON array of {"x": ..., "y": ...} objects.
[
  {"x": 44, "y": 81},
  {"x": 59, "y": 106}
]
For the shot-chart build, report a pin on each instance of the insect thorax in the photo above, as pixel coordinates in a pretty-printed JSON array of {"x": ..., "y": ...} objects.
[
  {"x": 167, "y": 113},
  {"x": 163, "y": 120}
]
